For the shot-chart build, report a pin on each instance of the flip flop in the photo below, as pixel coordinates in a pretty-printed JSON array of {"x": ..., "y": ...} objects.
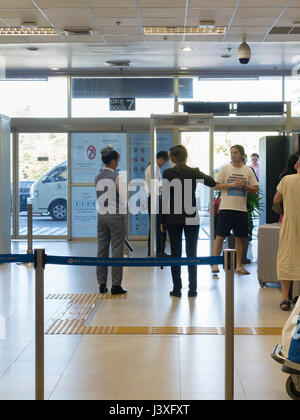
[
  {"x": 242, "y": 272},
  {"x": 285, "y": 306}
]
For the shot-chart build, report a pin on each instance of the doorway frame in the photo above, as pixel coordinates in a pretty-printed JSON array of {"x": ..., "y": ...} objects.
[
  {"x": 180, "y": 123},
  {"x": 121, "y": 125}
]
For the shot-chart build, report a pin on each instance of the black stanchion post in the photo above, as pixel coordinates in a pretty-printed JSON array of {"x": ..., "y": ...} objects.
[
  {"x": 29, "y": 229},
  {"x": 39, "y": 265},
  {"x": 29, "y": 234},
  {"x": 229, "y": 267},
  {"x": 161, "y": 248}
]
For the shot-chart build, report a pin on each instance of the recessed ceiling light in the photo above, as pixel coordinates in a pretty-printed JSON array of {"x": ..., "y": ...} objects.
[
  {"x": 20, "y": 31},
  {"x": 187, "y": 49},
  {"x": 184, "y": 68},
  {"x": 54, "y": 68},
  {"x": 207, "y": 28}
]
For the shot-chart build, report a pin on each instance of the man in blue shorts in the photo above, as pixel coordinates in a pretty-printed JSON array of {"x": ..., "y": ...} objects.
[{"x": 234, "y": 181}]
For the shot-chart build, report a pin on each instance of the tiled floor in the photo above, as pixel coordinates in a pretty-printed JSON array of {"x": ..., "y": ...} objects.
[{"x": 137, "y": 366}]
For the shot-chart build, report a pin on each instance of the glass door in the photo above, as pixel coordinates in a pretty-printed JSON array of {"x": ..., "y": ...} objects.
[
  {"x": 43, "y": 182},
  {"x": 86, "y": 163},
  {"x": 139, "y": 159},
  {"x": 198, "y": 147}
]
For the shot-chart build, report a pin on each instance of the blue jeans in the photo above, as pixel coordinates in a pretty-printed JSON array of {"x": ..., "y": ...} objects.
[{"x": 191, "y": 236}]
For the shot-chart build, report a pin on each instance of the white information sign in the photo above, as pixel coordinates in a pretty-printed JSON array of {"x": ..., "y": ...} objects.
[
  {"x": 84, "y": 213},
  {"x": 86, "y": 154}
]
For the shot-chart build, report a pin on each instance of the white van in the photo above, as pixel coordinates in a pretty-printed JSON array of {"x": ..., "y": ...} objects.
[{"x": 49, "y": 194}]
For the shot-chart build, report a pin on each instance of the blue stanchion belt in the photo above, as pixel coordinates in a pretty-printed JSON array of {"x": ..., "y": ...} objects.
[
  {"x": 134, "y": 262},
  {"x": 16, "y": 258},
  {"x": 114, "y": 262}
]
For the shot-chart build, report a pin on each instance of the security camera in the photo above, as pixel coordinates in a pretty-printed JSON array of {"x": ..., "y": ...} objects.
[{"x": 244, "y": 53}]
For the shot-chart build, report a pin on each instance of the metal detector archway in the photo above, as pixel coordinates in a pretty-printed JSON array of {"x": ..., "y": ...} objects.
[{"x": 180, "y": 122}]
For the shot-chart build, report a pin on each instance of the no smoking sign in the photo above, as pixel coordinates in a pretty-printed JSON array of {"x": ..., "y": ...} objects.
[{"x": 91, "y": 152}]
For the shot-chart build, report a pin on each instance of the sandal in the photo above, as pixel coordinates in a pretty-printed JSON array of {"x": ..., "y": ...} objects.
[
  {"x": 285, "y": 306},
  {"x": 215, "y": 269},
  {"x": 242, "y": 272}
]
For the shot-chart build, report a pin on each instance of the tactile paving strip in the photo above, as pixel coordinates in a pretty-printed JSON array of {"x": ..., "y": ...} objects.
[{"x": 73, "y": 319}]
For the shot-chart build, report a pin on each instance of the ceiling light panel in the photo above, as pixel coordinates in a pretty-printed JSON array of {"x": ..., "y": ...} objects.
[
  {"x": 18, "y": 31},
  {"x": 184, "y": 30}
]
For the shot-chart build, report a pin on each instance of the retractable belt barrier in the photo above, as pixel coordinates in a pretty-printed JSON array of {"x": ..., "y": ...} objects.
[
  {"x": 41, "y": 259},
  {"x": 134, "y": 262},
  {"x": 114, "y": 262},
  {"x": 16, "y": 258}
]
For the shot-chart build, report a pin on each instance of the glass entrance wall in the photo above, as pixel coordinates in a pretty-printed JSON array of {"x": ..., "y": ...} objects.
[
  {"x": 86, "y": 163},
  {"x": 292, "y": 94},
  {"x": 139, "y": 160},
  {"x": 250, "y": 141},
  {"x": 255, "y": 89},
  {"x": 91, "y": 97},
  {"x": 224, "y": 141},
  {"x": 50, "y": 98},
  {"x": 43, "y": 181},
  {"x": 198, "y": 146},
  {"x": 40, "y": 98}
]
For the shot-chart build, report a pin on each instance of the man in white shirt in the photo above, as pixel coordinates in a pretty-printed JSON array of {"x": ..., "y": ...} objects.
[
  {"x": 161, "y": 159},
  {"x": 255, "y": 164},
  {"x": 234, "y": 181}
]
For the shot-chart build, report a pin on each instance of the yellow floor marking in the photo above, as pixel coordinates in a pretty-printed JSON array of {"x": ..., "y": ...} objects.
[
  {"x": 133, "y": 330},
  {"x": 78, "y": 308},
  {"x": 268, "y": 331}
]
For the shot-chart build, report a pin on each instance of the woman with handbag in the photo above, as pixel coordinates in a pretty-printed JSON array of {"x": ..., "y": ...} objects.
[{"x": 288, "y": 267}]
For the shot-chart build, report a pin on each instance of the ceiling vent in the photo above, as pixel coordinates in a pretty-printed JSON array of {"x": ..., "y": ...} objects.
[
  {"x": 119, "y": 63},
  {"x": 285, "y": 30},
  {"x": 78, "y": 32},
  {"x": 29, "y": 25}
]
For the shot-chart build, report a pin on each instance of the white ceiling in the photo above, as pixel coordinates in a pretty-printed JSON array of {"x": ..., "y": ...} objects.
[{"x": 111, "y": 41}]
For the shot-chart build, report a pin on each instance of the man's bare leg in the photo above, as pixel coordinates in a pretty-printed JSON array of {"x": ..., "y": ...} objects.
[
  {"x": 285, "y": 285},
  {"x": 239, "y": 254},
  {"x": 217, "y": 250}
]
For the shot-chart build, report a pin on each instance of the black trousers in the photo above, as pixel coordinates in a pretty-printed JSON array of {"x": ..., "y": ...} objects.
[
  {"x": 191, "y": 237},
  {"x": 161, "y": 238}
]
